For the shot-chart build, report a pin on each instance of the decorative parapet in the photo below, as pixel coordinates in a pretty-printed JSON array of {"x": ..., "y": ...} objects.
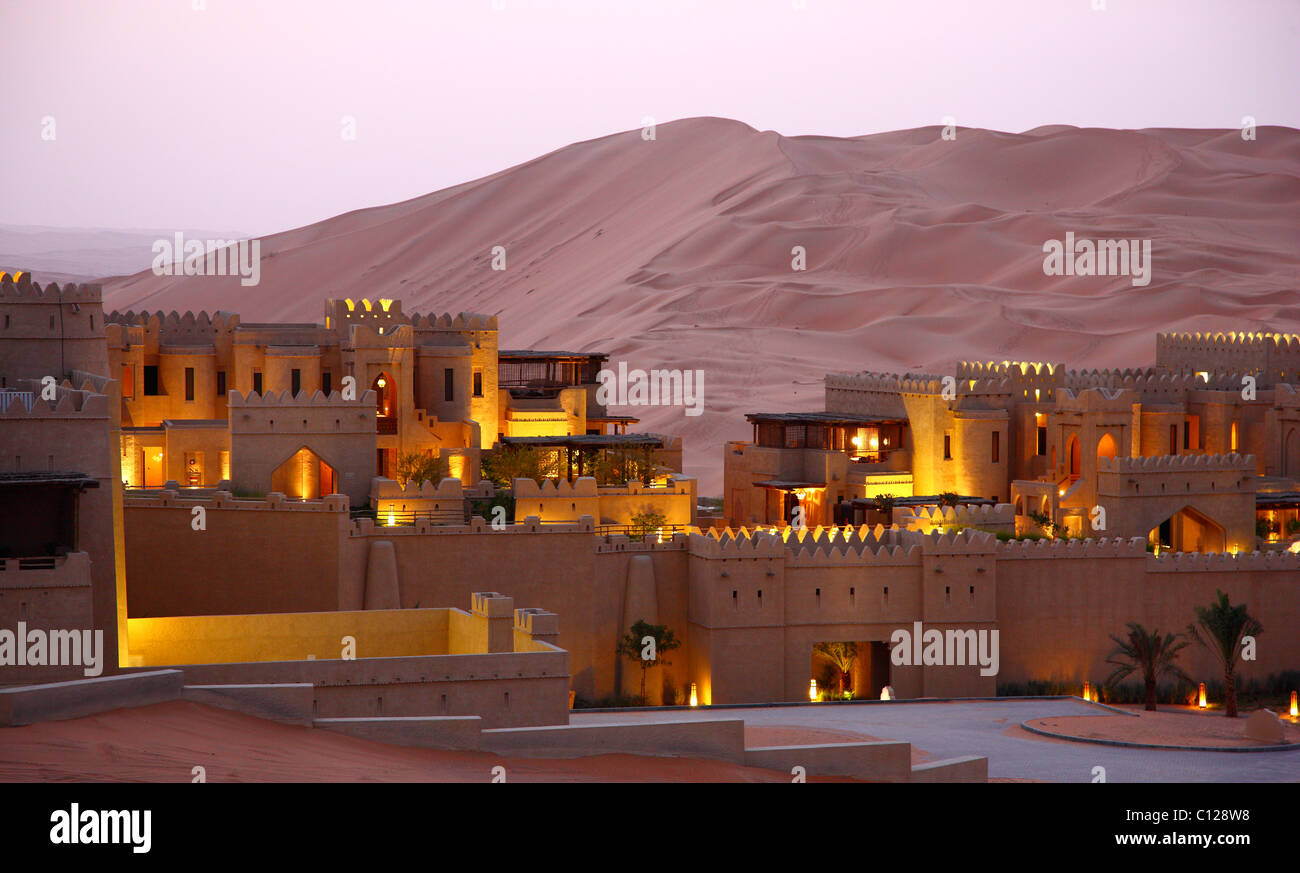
[
  {"x": 1177, "y": 464},
  {"x": 1270, "y": 561},
  {"x": 449, "y": 488},
  {"x": 174, "y": 325},
  {"x": 225, "y": 500},
  {"x": 69, "y": 402},
  {"x": 366, "y": 527},
  {"x": 728, "y": 545},
  {"x": 1103, "y": 547},
  {"x": 460, "y": 321},
  {"x": 24, "y": 290},
  {"x": 284, "y": 398},
  {"x": 925, "y": 518}
]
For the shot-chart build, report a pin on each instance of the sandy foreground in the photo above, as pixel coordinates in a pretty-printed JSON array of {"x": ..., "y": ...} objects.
[
  {"x": 165, "y": 741},
  {"x": 678, "y": 253},
  {"x": 1172, "y": 726}
]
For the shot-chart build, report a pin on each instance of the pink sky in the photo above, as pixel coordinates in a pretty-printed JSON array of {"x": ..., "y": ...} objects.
[{"x": 229, "y": 118}]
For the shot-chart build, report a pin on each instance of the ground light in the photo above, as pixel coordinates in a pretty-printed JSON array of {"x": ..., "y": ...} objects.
[
  {"x": 812, "y": 690},
  {"x": 695, "y": 700},
  {"x": 884, "y": 693},
  {"x": 1295, "y": 710},
  {"x": 1087, "y": 691},
  {"x": 1200, "y": 700}
]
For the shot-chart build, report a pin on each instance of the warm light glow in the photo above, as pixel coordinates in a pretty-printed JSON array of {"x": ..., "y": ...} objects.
[
  {"x": 381, "y": 382},
  {"x": 695, "y": 700},
  {"x": 1060, "y": 492},
  {"x": 158, "y": 457},
  {"x": 1203, "y": 375},
  {"x": 391, "y": 521},
  {"x": 884, "y": 693},
  {"x": 1200, "y": 700},
  {"x": 874, "y": 443},
  {"x": 1087, "y": 691},
  {"x": 1295, "y": 710},
  {"x": 385, "y": 303},
  {"x": 857, "y": 441},
  {"x": 812, "y": 690}
]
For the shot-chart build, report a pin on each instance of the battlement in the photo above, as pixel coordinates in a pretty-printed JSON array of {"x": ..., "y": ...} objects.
[
  {"x": 740, "y": 544},
  {"x": 1278, "y": 561},
  {"x": 1228, "y": 342},
  {"x": 388, "y": 489},
  {"x": 366, "y": 527},
  {"x": 23, "y": 290},
  {"x": 1178, "y": 464},
  {"x": 924, "y": 518},
  {"x": 284, "y": 399},
  {"x": 175, "y": 325},
  {"x": 69, "y": 402},
  {"x": 1009, "y": 369},
  {"x": 1102, "y": 547},
  {"x": 612, "y": 543}
]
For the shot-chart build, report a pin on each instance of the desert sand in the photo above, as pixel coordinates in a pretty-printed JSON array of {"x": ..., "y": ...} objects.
[
  {"x": 677, "y": 253},
  {"x": 166, "y": 741}
]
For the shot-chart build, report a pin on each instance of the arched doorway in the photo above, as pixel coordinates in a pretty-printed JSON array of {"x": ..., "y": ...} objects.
[
  {"x": 1188, "y": 531},
  {"x": 385, "y": 389},
  {"x": 1073, "y": 449},
  {"x": 304, "y": 475},
  {"x": 1106, "y": 448},
  {"x": 1291, "y": 454}
]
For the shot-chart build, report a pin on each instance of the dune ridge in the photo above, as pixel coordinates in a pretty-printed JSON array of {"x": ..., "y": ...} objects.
[{"x": 921, "y": 251}]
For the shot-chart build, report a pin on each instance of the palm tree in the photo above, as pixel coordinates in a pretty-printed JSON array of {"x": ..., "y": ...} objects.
[
  {"x": 1150, "y": 653},
  {"x": 1220, "y": 627},
  {"x": 842, "y": 656}
]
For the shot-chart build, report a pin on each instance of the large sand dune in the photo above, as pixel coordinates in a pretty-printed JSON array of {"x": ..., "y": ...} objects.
[{"x": 676, "y": 252}]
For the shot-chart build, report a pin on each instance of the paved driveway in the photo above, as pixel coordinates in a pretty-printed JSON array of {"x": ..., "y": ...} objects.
[{"x": 948, "y": 730}]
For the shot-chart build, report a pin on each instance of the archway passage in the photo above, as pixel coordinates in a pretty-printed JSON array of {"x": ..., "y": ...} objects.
[
  {"x": 1188, "y": 531},
  {"x": 860, "y": 667},
  {"x": 385, "y": 403},
  {"x": 1075, "y": 464},
  {"x": 304, "y": 476}
]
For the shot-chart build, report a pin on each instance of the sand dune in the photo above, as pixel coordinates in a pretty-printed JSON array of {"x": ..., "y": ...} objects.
[{"x": 676, "y": 253}]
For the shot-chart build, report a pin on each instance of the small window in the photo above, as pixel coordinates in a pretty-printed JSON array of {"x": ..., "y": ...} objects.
[
  {"x": 947, "y": 447},
  {"x": 1173, "y": 439},
  {"x": 1187, "y": 436},
  {"x": 189, "y": 384},
  {"x": 326, "y": 382},
  {"x": 997, "y": 447},
  {"x": 478, "y": 383},
  {"x": 257, "y": 381},
  {"x": 449, "y": 384},
  {"x": 295, "y": 381},
  {"x": 1042, "y": 441},
  {"x": 221, "y": 383},
  {"x": 150, "y": 381}
]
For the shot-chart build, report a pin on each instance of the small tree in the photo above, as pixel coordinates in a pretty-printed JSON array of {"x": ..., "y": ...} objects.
[
  {"x": 502, "y": 466},
  {"x": 949, "y": 498},
  {"x": 646, "y": 522},
  {"x": 884, "y": 504},
  {"x": 1220, "y": 628},
  {"x": 635, "y": 646},
  {"x": 842, "y": 656},
  {"x": 1150, "y": 654},
  {"x": 417, "y": 467}
]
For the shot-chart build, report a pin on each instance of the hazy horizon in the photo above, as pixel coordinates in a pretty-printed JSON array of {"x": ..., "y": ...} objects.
[{"x": 233, "y": 115}]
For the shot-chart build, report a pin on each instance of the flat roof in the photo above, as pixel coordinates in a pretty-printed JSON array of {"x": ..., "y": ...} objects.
[
  {"x": 819, "y": 418},
  {"x": 590, "y": 440},
  {"x": 544, "y": 354},
  {"x": 194, "y": 422},
  {"x": 53, "y": 477},
  {"x": 788, "y": 485}
]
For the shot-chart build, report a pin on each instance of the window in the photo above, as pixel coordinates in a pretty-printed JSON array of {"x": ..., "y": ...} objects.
[
  {"x": 257, "y": 381},
  {"x": 1173, "y": 439},
  {"x": 1042, "y": 441},
  {"x": 449, "y": 384},
  {"x": 947, "y": 447},
  {"x": 1187, "y": 436},
  {"x": 997, "y": 447},
  {"x": 1233, "y": 437},
  {"x": 128, "y": 381},
  {"x": 189, "y": 384},
  {"x": 326, "y": 382},
  {"x": 295, "y": 382},
  {"x": 150, "y": 381},
  {"x": 478, "y": 383},
  {"x": 221, "y": 383}
]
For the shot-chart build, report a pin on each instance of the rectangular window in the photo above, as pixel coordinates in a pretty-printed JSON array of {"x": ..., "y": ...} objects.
[
  {"x": 997, "y": 446},
  {"x": 1173, "y": 439},
  {"x": 221, "y": 383},
  {"x": 1042, "y": 441},
  {"x": 1187, "y": 436},
  {"x": 128, "y": 381},
  {"x": 257, "y": 381},
  {"x": 295, "y": 382},
  {"x": 449, "y": 384},
  {"x": 150, "y": 381},
  {"x": 326, "y": 382},
  {"x": 478, "y": 383},
  {"x": 947, "y": 447},
  {"x": 189, "y": 384}
]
